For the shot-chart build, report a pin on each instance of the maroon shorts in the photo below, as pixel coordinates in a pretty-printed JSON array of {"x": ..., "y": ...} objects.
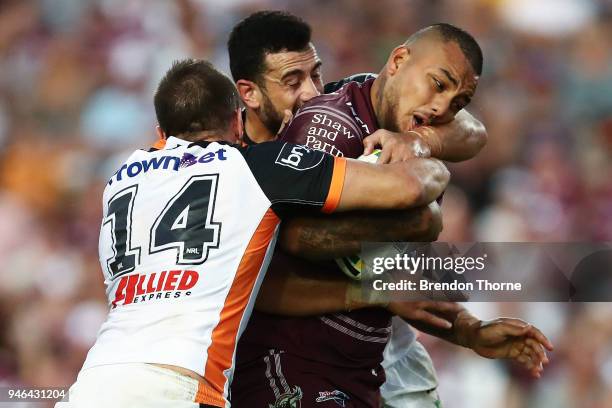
[{"x": 283, "y": 380}]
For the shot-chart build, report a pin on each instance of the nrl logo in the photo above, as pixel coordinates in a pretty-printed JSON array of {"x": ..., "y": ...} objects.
[
  {"x": 336, "y": 395},
  {"x": 290, "y": 399}
]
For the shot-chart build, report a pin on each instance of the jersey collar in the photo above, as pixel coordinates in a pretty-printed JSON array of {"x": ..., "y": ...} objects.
[{"x": 174, "y": 142}]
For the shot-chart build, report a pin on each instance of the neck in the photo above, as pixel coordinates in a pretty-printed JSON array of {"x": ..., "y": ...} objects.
[
  {"x": 215, "y": 136},
  {"x": 376, "y": 93},
  {"x": 255, "y": 128}
]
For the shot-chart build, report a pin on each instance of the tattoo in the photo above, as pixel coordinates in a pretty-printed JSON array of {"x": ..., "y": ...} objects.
[
  {"x": 341, "y": 235},
  {"x": 330, "y": 237}
]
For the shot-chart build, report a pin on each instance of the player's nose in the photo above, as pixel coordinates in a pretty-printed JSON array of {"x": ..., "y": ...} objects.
[
  {"x": 309, "y": 90},
  {"x": 440, "y": 107}
]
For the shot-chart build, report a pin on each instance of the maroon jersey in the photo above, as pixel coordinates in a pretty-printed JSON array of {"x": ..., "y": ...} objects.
[{"x": 335, "y": 123}]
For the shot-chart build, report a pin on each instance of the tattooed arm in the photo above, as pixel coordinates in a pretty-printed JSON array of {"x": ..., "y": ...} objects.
[{"x": 340, "y": 235}]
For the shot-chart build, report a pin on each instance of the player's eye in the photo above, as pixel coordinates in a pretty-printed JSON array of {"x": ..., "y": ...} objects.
[
  {"x": 292, "y": 82},
  {"x": 438, "y": 85}
]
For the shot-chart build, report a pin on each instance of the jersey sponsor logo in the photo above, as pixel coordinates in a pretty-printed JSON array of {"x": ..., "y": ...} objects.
[
  {"x": 138, "y": 288},
  {"x": 337, "y": 396},
  {"x": 297, "y": 157},
  {"x": 291, "y": 399},
  {"x": 129, "y": 170},
  {"x": 326, "y": 129},
  {"x": 333, "y": 126}
]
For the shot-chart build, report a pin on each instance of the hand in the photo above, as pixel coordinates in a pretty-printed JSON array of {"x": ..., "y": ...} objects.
[
  {"x": 506, "y": 338},
  {"x": 287, "y": 116},
  {"x": 432, "y": 137},
  {"x": 396, "y": 147},
  {"x": 433, "y": 313}
]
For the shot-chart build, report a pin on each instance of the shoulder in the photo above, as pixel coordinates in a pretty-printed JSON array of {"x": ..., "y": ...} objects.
[
  {"x": 337, "y": 85},
  {"x": 326, "y": 123},
  {"x": 331, "y": 110}
]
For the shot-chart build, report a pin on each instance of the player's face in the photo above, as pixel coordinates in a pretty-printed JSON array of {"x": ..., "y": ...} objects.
[
  {"x": 290, "y": 80},
  {"x": 427, "y": 85}
]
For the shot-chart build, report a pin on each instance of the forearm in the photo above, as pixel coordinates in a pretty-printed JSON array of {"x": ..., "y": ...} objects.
[
  {"x": 459, "y": 333},
  {"x": 342, "y": 234},
  {"x": 459, "y": 140},
  {"x": 303, "y": 290}
]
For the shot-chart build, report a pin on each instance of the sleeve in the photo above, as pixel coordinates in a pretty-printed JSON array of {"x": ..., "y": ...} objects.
[
  {"x": 323, "y": 125},
  {"x": 334, "y": 86},
  {"x": 295, "y": 178}
]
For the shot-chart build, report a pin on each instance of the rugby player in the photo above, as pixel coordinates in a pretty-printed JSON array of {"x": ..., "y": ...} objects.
[
  {"x": 276, "y": 68},
  {"x": 186, "y": 236}
]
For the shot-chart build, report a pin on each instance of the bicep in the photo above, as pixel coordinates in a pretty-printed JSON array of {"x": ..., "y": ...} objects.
[
  {"x": 398, "y": 185},
  {"x": 293, "y": 176},
  {"x": 372, "y": 186}
]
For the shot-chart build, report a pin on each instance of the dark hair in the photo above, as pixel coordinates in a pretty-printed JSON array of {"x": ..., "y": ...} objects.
[
  {"x": 194, "y": 97},
  {"x": 262, "y": 33},
  {"x": 466, "y": 42}
]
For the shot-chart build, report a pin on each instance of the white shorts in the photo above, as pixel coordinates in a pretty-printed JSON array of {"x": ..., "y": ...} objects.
[
  {"x": 417, "y": 399},
  {"x": 131, "y": 385},
  {"x": 411, "y": 380}
]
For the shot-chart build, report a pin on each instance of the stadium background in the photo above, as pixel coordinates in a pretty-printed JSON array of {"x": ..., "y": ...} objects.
[{"x": 76, "y": 82}]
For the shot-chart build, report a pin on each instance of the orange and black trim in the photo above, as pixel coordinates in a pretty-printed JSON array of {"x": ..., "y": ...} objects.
[
  {"x": 160, "y": 144},
  {"x": 336, "y": 185},
  {"x": 225, "y": 334}
]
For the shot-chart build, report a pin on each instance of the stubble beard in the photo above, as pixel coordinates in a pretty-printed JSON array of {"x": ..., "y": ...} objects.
[
  {"x": 386, "y": 99},
  {"x": 269, "y": 116}
]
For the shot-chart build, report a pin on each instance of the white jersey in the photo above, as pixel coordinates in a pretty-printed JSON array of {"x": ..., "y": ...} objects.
[{"x": 185, "y": 240}]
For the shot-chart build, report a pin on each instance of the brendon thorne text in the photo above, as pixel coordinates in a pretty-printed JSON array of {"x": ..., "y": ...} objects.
[{"x": 426, "y": 285}]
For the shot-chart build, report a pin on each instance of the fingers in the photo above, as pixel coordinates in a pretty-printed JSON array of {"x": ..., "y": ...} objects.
[
  {"x": 529, "y": 353},
  {"x": 431, "y": 319},
  {"x": 538, "y": 350},
  {"x": 534, "y": 368},
  {"x": 533, "y": 361},
  {"x": 287, "y": 116},
  {"x": 535, "y": 333},
  {"x": 531, "y": 330},
  {"x": 524, "y": 354},
  {"x": 396, "y": 147},
  {"x": 373, "y": 141},
  {"x": 385, "y": 156},
  {"x": 370, "y": 143}
]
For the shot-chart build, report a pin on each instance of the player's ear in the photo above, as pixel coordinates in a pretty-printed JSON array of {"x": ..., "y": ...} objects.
[
  {"x": 160, "y": 133},
  {"x": 237, "y": 127},
  {"x": 399, "y": 55},
  {"x": 249, "y": 93}
]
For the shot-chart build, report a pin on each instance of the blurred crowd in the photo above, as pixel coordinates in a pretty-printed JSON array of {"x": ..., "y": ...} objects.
[{"x": 76, "y": 85}]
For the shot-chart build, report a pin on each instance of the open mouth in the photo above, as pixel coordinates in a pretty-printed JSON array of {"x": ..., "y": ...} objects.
[{"x": 417, "y": 120}]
